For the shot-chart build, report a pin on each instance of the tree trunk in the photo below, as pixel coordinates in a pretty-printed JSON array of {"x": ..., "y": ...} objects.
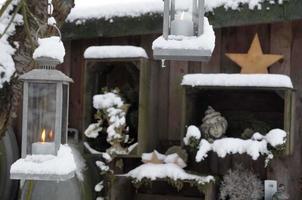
[{"x": 11, "y": 92}]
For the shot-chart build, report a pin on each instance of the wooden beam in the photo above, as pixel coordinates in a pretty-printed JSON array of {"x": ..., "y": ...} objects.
[{"x": 152, "y": 23}]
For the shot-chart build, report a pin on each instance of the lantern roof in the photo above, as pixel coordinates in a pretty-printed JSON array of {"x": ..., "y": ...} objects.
[{"x": 42, "y": 75}]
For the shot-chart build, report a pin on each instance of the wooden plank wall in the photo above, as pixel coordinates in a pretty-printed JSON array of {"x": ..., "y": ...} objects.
[{"x": 165, "y": 91}]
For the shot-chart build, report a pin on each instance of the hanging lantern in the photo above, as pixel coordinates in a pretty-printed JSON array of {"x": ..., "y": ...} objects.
[
  {"x": 45, "y": 100},
  {"x": 45, "y": 108},
  {"x": 187, "y": 35}
]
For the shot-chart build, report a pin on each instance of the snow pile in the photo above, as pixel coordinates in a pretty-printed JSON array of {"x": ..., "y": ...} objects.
[
  {"x": 91, "y": 9},
  {"x": 47, "y": 165},
  {"x": 244, "y": 80},
  {"x": 159, "y": 171},
  {"x": 93, "y": 130},
  {"x": 107, "y": 9},
  {"x": 107, "y": 100},
  {"x": 7, "y": 64},
  {"x": 50, "y": 47},
  {"x": 206, "y": 41},
  {"x": 79, "y": 161},
  {"x": 210, "y": 5},
  {"x": 256, "y": 146},
  {"x": 102, "y": 52},
  {"x": 192, "y": 132}
]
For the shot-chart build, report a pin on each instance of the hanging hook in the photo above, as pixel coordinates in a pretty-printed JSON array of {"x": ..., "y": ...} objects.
[{"x": 45, "y": 26}]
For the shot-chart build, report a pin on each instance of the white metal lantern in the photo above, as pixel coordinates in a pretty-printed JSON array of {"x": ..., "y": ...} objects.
[
  {"x": 45, "y": 108},
  {"x": 183, "y": 17},
  {"x": 183, "y": 27}
]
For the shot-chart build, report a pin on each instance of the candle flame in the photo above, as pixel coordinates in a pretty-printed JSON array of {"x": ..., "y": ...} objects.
[
  {"x": 50, "y": 135},
  {"x": 43, "y": 135}
]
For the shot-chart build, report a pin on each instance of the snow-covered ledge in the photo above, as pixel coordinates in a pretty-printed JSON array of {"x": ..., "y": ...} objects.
[
  {"x": 169, "y": 170},
  {"x": 196, "y": 47},
  {"x": 254, "y": 147},
  {"x": 46, "y": 167},
  {"x": 107, "y": 52},
  {"x": 238, "y": 80}
]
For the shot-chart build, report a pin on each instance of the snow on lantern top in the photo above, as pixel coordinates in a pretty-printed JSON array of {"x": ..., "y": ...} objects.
[{"x": 187, "y": 34}]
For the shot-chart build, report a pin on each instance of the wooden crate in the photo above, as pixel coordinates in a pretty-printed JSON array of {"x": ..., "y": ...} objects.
[
  {"x": 92, "y": 66},
  {"x": 273, "y": 106}
]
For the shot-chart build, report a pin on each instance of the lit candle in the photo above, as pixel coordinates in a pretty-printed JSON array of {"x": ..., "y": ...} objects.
[
  {"x": 182, "y": 25},
  {"x": 43, "y": 147}
]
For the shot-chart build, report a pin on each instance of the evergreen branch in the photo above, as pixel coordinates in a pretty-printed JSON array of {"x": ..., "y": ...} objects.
[{"x": 12, "y": 19}]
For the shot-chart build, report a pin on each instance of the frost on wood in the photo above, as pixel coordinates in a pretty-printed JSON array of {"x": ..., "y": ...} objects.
[
  {"x": 242, "y": 80},
  {"x": 241, "y": 184},
  {"x": 103, "y": 52},
  {"x": 256, "y": 146},
  {"x": 40, "y": 166},
  {"x": 50, "y": 47},
  {"x": 160, "y": 171},
  {"x": 206, "y": 41},
  {"x": 7, "y": 64}
]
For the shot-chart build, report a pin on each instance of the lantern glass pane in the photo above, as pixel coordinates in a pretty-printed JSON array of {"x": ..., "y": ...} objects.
[
  {"x": 182, "y": 18},
  {"x": 64, "y": 114},
  {"x": 41, "y": 117}
]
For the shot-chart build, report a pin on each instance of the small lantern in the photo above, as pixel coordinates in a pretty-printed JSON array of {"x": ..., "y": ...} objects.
[
  {"x": 183, "y": 30},
  {"x": 45, "y": 108},
  {"x": 183, "y": 17}
]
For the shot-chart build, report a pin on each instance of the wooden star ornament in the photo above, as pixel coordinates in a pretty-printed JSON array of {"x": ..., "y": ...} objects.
[
  {"x": 154, "y": 159},
  {"x": 254, "y": 61}
]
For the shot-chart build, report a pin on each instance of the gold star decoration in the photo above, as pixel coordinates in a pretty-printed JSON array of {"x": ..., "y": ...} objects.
[{"x": 254, "y": 62}]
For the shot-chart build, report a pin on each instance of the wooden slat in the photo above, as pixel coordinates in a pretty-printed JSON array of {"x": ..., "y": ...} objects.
[
  {"x": 281, "y": 41},
  {"x": 177, "y": 70},
  {"x": 152, "y": 23}
]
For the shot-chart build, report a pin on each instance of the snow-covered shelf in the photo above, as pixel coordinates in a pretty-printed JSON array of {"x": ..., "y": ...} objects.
[
  {"x": 254, "y": 147},
  {"x": 45, "y": 167},
  {"x": 238, "y": 80},
  {"x": 171, "y": 171},
  {"x": 195, "y": 48},
  {"x": 114, "y": 52}
]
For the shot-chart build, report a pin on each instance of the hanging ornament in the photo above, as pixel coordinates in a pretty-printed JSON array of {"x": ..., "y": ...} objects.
[{"x": 213, "y": 124}]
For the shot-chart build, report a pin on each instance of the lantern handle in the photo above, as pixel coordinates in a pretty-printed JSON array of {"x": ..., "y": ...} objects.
[{"x": 53, "y": 25}]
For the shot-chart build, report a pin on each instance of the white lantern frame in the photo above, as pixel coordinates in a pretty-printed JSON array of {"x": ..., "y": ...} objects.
[
  {"x": 46, "y": 74},
  {"x": 197, "y": 16},
  {"x": 189, "y": 45}
]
